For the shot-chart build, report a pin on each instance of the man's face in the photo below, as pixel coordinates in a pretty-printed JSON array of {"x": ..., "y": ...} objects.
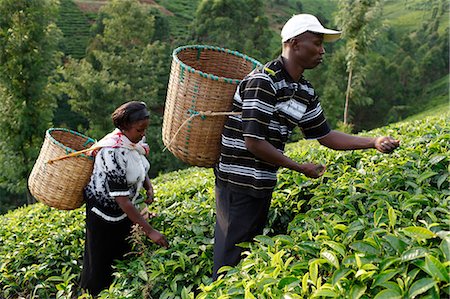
[{"x": 308, "y": 49}]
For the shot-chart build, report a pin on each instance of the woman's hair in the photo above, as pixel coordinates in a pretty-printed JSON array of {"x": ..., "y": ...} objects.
[{"x": 129, "y": 113}]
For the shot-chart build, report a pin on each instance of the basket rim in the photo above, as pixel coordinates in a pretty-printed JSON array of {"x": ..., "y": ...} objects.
[
  {"x": 190, "y": 69},
  {"x": 66, "y": 148}
]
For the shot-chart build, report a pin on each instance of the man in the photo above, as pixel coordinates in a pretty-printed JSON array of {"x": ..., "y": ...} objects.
[{"x": 273, "y": 100}]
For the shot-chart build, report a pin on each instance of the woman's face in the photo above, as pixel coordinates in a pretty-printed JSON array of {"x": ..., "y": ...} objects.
[{"x": 137, "y": 130}]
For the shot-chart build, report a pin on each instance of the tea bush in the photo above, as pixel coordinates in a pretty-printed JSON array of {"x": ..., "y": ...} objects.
[{"x": 374, "y": 226}]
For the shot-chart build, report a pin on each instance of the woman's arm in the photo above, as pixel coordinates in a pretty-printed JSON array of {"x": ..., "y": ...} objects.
[
  {"x": 149, "y": 188},
  {"x": 136, "y": 217}
]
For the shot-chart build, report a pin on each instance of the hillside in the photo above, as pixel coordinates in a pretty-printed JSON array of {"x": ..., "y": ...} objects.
[
  {"x": 437, "y": 100},
  {"x": 403, "y": 16},
  {"x": 373, "y": 224}
]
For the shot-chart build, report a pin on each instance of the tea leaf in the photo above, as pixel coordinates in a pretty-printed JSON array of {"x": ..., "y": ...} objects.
[
  {"x": 435, "y": 159},
  {"x": 426, "y": 175},
  {"x": 413, "y": 254},
  {"x": 436, "y": 269},
  {"x": 265, "y": 240},
  {"x": 331, "y": 258},
  {"x": 388, "y": 294},
  {"x": 364, "y": 247},
  {"x": 418, "y": 232},
  {"x": 339, "y": 274},
  {"x": 249, "y": 295},
  {"x": 324, "y": 293},
  {"x": 442, "y": 179},
  {"x": 336, "y": 247},
  {"x": 377, "y": 217},
  {"x": 384, "y": 276},
  {"x": 305, "y": 283},
  {"x": 445, "y": 248},
  {"x": 287, "y": 281},
  {"x": 314, "y": 271},
  {"x": 284, "y": 239},
  {"x": 357, "y": 291},
  {"x": 143, "y": 275},
  {"x": 420, "y": 287},
  {"x": 395, "y": 242}
]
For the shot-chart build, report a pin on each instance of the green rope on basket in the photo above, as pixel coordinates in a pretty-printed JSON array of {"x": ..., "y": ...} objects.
[
  {"x": 182, "y": 73},
  {"x": 89, "y": 140},
  {"x": 67, "y": 149},
  {"x": 192, "y": 112},
  {"x": 199, "y": 49}
]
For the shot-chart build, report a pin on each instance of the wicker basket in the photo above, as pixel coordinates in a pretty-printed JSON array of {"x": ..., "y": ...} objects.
[
  {"x": 60, "y": 184},
  {"x": 202, "y": 83}
]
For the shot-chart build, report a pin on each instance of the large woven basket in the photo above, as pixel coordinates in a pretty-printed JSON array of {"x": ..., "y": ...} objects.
[
  {"x": 60, "y": 184},
  {"x": 202, "y": 83}
]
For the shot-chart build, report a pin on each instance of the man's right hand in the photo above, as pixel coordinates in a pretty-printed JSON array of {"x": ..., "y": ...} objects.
[{"x": 312, "y": 170}]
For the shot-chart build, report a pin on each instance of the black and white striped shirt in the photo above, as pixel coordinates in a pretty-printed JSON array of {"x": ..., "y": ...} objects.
[{"x": 272, "y": 105}]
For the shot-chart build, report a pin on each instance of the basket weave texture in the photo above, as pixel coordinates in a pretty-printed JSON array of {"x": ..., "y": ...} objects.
[
  {"x": 200, "y": 92},
  {"x": 60, "y": 184}
]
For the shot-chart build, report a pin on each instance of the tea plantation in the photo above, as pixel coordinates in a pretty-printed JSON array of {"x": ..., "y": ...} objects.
[{"x": 374, "y": 226}]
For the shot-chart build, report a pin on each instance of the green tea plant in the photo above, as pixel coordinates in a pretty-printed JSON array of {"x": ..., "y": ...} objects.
[
  {"x": 40, "y": 252},
  {"x": 374, "y": 226}
]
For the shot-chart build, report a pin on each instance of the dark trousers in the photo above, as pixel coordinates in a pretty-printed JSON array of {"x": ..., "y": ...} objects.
[
  {"x": 239, "y": 218},
  {"x": 104, "y": 243}
]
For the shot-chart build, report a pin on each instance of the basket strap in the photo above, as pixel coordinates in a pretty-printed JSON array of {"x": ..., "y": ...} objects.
[
  {"x": 201, "y": 114},
  {"x": 74, "y": 154}
]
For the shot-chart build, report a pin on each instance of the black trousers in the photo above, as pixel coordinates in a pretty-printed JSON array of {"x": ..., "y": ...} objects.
[
  {"x": 239, "y": 218},
  {"x": 105, "y": 242}
]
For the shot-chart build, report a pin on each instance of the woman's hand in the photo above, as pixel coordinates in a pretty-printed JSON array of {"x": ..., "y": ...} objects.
[
  {"x": 146, "y": 214},
  {"x": 312, "y": 170},
  {"x": 386, "y": 144},
  {"x": 158, "y": 238},
  {"x": 150, "y": 195}
]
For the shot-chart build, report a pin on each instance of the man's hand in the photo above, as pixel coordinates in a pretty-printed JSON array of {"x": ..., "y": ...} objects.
[
  {"x": 312, "y": 170},
  {"x": 386, "y": 144}
]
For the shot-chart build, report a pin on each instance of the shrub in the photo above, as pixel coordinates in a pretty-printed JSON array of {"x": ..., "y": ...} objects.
[{"x": 374, "y": 226}]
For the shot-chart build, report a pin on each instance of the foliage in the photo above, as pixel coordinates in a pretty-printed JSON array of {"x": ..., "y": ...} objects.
[
  {"x": 358, "y": 22},
  {"x": 374, "y": 226},
  {"x": 126, "y": 61},
  {"x": 41, "y": 251},
  {"x": 235, "y": 24},
  {"x": 402, "y": 84},
  {"x": 28, "y": 40},
  {"x": 180, "y": 14},
  {"x": 75, "y": 26}
]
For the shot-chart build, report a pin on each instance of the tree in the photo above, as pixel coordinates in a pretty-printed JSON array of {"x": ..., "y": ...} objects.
[
  {"x": 125, "y": 61},
  {"x": 358, "y": 20},
  {"x": 235, "y": 24},
  {"x": 28, "y": 43}
]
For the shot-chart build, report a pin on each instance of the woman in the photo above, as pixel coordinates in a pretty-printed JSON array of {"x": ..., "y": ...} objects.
[{"x": 120, "y": 171}]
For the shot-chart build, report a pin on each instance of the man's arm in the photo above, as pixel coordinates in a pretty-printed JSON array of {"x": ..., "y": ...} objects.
[
  {"x": 340, "y": 141},
  {"x": 267, "y": 152}
]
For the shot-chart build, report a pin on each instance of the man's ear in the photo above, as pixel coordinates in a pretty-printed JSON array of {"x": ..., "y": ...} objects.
[{"x": 296, "y": 44}]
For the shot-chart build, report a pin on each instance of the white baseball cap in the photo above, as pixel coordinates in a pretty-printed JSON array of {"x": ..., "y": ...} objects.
[{"x": 306, "y": 22}]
